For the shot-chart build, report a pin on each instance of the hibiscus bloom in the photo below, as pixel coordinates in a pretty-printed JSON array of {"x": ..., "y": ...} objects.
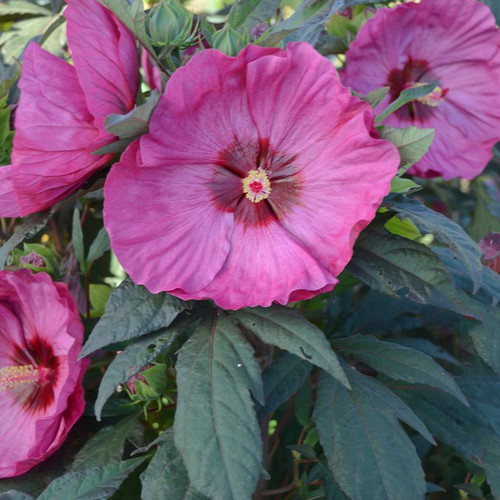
[
  {"x": 41, "y": 395},
  {"x": 257, "y": 175},
  {"x": 59, "y": 120},
  {"x": 490, "y": 246},
  {"x": 454, "y": 42}
]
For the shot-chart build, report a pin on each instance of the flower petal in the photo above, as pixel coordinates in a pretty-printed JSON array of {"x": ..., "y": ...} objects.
[
  {"x": 9, "y": 206},
  {"x": 53, "y": 131},
  {"x": 105, "y": 57},
  {"x": 175, "y": 237}
]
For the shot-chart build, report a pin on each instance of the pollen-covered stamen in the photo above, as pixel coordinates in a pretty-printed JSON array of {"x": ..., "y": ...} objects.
[
  {"x": 14, "y": 376},
  {"x": 256, "y": 185},
  {"x": 433, "y": 99}
]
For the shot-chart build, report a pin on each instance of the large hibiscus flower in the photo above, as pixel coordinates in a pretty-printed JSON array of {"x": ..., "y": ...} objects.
[
  {"x": 255, "y": 180},
  {"x": 454, "y": 42},
  {"x": 41, "y": 396}
]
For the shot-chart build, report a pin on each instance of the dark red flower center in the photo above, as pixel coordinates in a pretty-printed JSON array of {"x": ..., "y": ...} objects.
[
  {"x": 413, "y": 74},
  {"x": 32, "y": 375},
  {"x": 255, "y": 182}
]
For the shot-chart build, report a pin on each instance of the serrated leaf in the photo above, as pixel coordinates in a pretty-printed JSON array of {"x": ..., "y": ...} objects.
[
  {"x": 93, "y": 483},
  {"x": 131, "y": 14},
  {"x": 445, "y": 230},
  {"x": 215, "y": 421},
  {"x": 405, "y": 97},
  {"x": 166, "y": 475},
  {"x": 404, "y": 268},
  {"x": 428, "y": 347},
  {"x": 367, "y": 450},
  {"x": 107, "y": 444},
  {"x": 77, "y": 239},
  {"x": 99, "y": 246},
  {"x": 399, "y": 362},
  {"x": 281, "y": 379},
  {"x": 246, "y": 14},
  {"x": 29, "y": 228},
  {"x": 134, "y": 123},
  {"x": 287, "y": 329},
  {"x": 412, "y": 143},
  {"x": 132, "y": 359},
  {"x": 132, "y": 311}
]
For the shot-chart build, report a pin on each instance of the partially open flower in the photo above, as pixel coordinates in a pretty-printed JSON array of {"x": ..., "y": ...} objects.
[
  {"x": 41, "y": 395},
  {"x": 453, "y": 42},
  {"x": 256, "y": 178}
]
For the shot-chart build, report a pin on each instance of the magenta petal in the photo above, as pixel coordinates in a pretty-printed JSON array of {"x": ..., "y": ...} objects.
[
  {"x": 53, "y": 131},
  {"x": 105, "y": 57},
  {"x": 185, "y": 240},
  {"x": 9, "y": 206}
]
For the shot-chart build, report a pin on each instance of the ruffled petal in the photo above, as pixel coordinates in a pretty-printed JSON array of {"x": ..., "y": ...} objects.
[
  {"x": 9, "y": 206},
  {"x": 53, "y": 131},
  {"x": 105, "y": 57},
  {"x": 163, "y": 225}
]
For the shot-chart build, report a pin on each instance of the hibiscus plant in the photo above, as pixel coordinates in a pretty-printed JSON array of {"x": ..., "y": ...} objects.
[{"x": 249, "y": 249}]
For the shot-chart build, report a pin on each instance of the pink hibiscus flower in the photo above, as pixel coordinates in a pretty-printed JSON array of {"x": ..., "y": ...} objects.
[
  {"x": 40, "y": 376},
  {"x": 257, "y": 176},
  {"x": 490, "y": 246},
  {"x": 454, "y": 42},
  {"x": 59, "y": 120}
]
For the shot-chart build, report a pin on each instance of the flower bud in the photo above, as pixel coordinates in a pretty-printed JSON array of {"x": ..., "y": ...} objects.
[
  {"x": 229, "y": 41},
  {"x": 170, "y": 23}
]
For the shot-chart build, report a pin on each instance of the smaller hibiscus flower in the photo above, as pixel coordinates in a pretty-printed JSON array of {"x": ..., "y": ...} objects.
[
  {"x": 453, "y": 42},
  {"x": 490, "y": 246},
  {"x": 60, "y": 118},
  {"x": 41, "y": 396},
  {"x": 256, "y": 178}
]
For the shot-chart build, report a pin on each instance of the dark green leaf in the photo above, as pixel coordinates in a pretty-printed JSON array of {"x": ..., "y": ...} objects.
[
  {"x": 287, "y": 329},
  {"x": 405, "y": 97},
  {"x": 29, "y": 228},
  {"x": 132, "y": 311},
  {"x": 132, "y": 359},
  {"x": 99, "y": 246},
  {"x": 216, "y": 430},
  {"x": 107, "y": 445},
  {"x": 474, "y": 490},
  {"x": 282, "y": 379},
  {"x": 246, "y": 14},
  {"x": 412, "y": 143},
  {"x": 15, "y": 495},
  {"x": 77, "y": 239},
  {"x": 166, "y": 477},
  {"x": 134, "y": 123},
  {"x": 368, "y": 452},
  {"x": 445, "y": 230},
  {"x": 428, "y": 347},
  {"x": 93, "y": 483},
  {"x": 399, "y": 363},
  {"x": 404, "y": 268}
]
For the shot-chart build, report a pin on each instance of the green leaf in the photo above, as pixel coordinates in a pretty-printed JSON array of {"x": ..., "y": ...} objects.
[
  {"x": 399, "y": 362},
  {"x": 93, "y": 483},
  {"x": 281, "y": 379},
  {"x": 132, "y": 311},
  {"x": 15, "y": 495},
  {"x": 445, "y": 231},
  {"x": 99, "y": 246},
  {"x": 29, "y": 228},
  {"x": 166, "y": 475},
  {"x": 412, "y": 143},
  {"x": 19, "y": 9},
  {"x": 131, "y": 14},
  {"x": 287, "y": 329},
  {"x": 375, "y": 97},
  {"x": 215, "y": 421},
  {"x": 77, "y": 238},
  {"x": 132, "y": 359},
  {"x": 134, "y": 123},
  {"x": 404, "y": 268},
  {"x": 368, "y": 452},
  {"x": 400, "y": 185},
  {"x": 246, "y": 14},
  {"x": 107, "y": 445},
  {"x": 99, "y": 296},
  {"x": 405, "y": 97}
]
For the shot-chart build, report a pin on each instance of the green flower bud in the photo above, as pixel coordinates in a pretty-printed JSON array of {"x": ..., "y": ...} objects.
[
  {"x": 170, "y": 23},
  {"x": 229, "y": 41}
]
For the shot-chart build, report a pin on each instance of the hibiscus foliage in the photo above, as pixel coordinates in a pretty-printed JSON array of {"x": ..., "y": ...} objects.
[{"x": 285, "y": 276}]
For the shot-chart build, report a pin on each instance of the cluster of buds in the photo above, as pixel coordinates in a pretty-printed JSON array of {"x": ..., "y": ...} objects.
[
  {"x": 170, "y": 24},
  {"x": 229, "y": 41}
]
